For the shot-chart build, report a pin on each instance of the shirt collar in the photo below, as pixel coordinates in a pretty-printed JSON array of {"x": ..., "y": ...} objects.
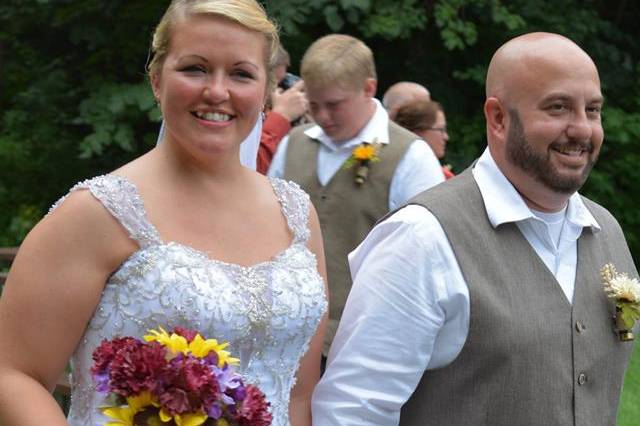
[
  {"x": 376, "y": 130},
  {"x": 504, "y": 204}
]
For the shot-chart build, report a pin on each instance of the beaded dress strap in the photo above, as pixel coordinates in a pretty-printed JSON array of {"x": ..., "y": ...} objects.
[
  {"x": 120, "y": 197},
  {"x": 295, "y": 207}
]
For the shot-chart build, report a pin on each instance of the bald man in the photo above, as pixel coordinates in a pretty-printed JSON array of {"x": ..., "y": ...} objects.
[
  {"x": 481, "y": 302},
  {"x": 402, "y": 93}
]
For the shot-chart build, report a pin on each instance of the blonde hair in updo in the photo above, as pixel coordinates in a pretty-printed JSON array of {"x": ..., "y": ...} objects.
[{"x": 247, "y": 13}]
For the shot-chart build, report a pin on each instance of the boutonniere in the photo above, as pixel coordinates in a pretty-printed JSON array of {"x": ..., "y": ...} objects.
[
  {"x": 362, "y": 156},
  {"x": 625, "y": 293}
]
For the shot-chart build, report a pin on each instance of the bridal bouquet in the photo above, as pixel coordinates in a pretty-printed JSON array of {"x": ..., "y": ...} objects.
[{"x": 177, "y": 379}]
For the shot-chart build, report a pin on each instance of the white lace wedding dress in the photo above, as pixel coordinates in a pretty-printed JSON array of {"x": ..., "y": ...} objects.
[{"x": 268, "y": 312}]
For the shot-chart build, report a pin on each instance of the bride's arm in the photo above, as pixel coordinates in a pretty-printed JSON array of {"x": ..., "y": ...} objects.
[
  {"x": 52, "y": 289},
  {"x": 309, "y": 371}
]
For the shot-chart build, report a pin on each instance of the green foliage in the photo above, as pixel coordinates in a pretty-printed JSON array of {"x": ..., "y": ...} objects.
[
  {"x": 69, "y": 91},
  {"x": 389, "y": 19},
  {"x": 629, "y": 411},
  {"x": 459, "y": 32},
  {"x": 111, "y": 112}
]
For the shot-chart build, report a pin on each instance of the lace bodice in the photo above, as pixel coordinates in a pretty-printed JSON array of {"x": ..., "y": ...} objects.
[{"x": 268, "y": 312}]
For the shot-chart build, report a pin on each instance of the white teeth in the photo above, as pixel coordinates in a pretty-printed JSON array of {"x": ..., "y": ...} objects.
[
  {"x": 213, "y": 116},
  {"x": 570, "y": 152}
]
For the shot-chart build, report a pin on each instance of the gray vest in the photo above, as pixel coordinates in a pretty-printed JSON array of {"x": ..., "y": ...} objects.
[
  {"x": 530, "y": 358},
  {"x": 347, "y": 211}
]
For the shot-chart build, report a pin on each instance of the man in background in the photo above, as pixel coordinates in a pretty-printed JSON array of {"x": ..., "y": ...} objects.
[
  {"x": 354, "y": 162},
  {"x": 401, "y": 93}
]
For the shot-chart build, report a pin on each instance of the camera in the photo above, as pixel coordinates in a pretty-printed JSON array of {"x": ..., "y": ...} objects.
[{"x": 288, "y": 81}]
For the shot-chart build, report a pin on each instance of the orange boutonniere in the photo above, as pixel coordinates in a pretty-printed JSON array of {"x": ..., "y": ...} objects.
[{"x": 362, "y": 156}]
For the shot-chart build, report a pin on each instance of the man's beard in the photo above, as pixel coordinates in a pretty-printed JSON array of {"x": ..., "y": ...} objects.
[{"x": 537, "y": 165}]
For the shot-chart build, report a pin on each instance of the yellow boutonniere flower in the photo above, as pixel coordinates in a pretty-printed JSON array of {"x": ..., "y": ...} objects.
[
  {"x": 364, "y": 152},
  {"x": 363, "y": 155}
]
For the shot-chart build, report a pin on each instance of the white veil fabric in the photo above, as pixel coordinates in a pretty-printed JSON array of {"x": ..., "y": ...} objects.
[{"x": 248, "y": 147}]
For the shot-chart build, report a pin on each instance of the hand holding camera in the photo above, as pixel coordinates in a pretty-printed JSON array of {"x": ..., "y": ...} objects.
[{"x": 290, "y": 103}]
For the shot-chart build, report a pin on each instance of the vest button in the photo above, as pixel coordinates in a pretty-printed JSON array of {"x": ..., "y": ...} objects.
[
  {"x": 580, "y": 327},
  {"x": 323, "y": 196},
  {"x": 582, "y": 379}
]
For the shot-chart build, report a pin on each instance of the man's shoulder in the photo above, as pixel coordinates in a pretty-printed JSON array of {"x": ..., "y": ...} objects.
[
  {"x": 298, "y": 132},
  {"x": 398, "y": 134},
  {"x": 456, "y": 188}
]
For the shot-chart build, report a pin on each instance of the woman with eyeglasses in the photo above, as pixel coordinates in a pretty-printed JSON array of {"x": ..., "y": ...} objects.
[{"x": 427, "y": 120}]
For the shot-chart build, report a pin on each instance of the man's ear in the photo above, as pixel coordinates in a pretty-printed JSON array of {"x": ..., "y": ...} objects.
[
  {"x": 496, "y": 116},
  {"x": 370, "y": 87}
]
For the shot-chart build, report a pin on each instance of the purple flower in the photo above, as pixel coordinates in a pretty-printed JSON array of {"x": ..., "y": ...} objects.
[
  {"x": 227, "y": 378},
  {"x": 102, "y": 381},
  {"x": 215, "y": 411},
  {"x": 211, "y": 359}
]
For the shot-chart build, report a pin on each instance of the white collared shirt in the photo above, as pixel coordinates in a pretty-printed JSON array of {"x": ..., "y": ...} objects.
[
  {"x": 419, "y": 169},
  {"x": 408, "y": 309}
]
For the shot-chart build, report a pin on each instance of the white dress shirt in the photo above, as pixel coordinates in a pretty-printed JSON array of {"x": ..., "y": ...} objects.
[
  {"x": 419, "y": 169},
  {"x": 408, "y": 309}
]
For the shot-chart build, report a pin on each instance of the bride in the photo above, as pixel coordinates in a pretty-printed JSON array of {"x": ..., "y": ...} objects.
[{"x": 182, "y": 236}]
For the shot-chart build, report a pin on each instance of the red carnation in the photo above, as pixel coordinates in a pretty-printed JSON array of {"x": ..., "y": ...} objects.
[
  {"x": 187, "y": 333},
  {"x": 254, "y": 410},
  {"x": 188, "y": 385},
  {"x": 135, "y": 367},
  {"x": 104, "y": 354}
]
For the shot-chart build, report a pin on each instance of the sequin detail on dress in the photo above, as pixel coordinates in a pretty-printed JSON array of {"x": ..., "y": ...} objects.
[{"x": 268, "y": 312}]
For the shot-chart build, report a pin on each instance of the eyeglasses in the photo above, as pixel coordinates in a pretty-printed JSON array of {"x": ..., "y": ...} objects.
[{"x": 442, "y": 130}]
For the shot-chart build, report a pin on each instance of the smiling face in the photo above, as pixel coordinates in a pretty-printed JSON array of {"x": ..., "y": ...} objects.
[
  {"x": 562, "y": 167},
  {"x": 212, "y": 84},
  {"x": 556, "y": 133},
  {"x": 544, "y": 117}
]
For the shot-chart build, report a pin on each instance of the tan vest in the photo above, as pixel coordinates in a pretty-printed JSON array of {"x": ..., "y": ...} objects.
[
  {"x": 531, "y": 357},
  {"x": 347, "y": 211}
]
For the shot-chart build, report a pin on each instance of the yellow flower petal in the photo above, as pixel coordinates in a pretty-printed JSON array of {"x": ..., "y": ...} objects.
[
  {"x": 222, "y": 422},
  {"x": 174, "y": 342},
  {"x": 190, "y": 419},
  {"x": 140, "y": 401},
  {"x": 201, "y": 348},
  {"x": 364, "y": 152},
  {"x": 223, "y": 357},
  {"x": 164, "y": 416},
  {"x": 123, "y": 415}
]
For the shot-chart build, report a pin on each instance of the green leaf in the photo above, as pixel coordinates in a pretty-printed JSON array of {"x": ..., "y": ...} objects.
[
  {"x": 629, "y": 314},
  {"x": 334, "y": 20}
]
